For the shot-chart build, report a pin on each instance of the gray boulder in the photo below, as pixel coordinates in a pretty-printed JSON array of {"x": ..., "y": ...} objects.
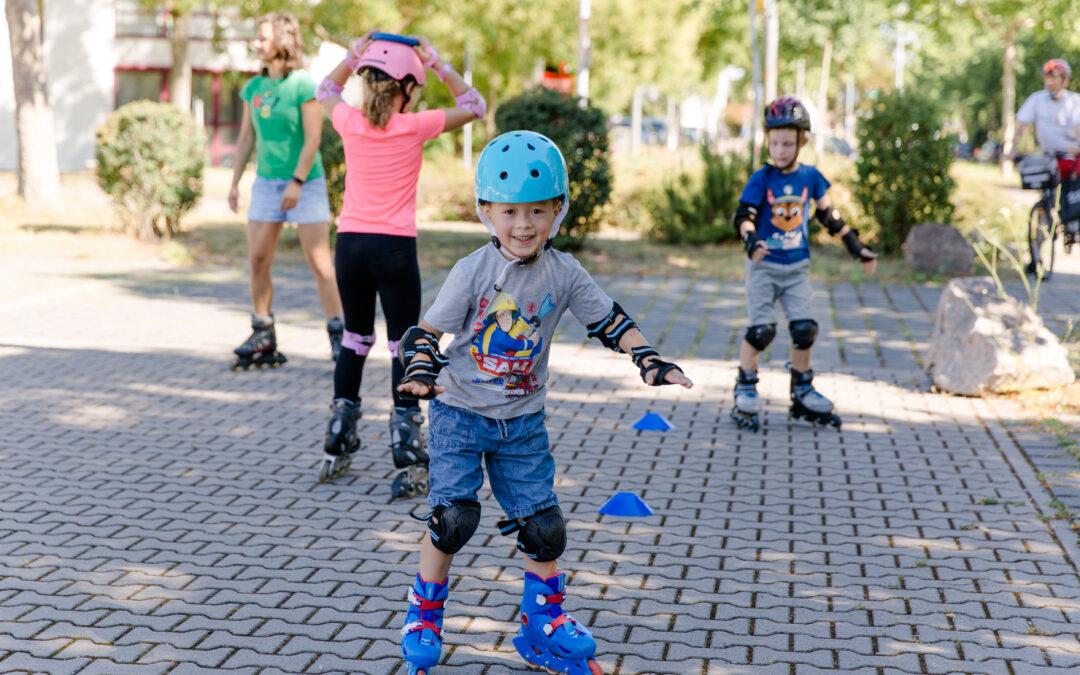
[
  {"x": 939, "y": 249},
  {"x": 983, "y": 343}
]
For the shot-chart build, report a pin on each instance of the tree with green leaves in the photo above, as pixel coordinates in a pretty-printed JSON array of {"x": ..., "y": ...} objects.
[{"x": 1005, "y": 20}]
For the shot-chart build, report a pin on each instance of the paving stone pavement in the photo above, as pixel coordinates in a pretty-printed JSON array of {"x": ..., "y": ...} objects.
[{"x": 160, "y": 514}]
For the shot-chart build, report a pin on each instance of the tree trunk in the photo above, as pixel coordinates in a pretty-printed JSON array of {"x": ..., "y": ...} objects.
[
  {"x": 38, "y": 169},
  {"x": 1008, "y": 97},
  {"x": 180, "y": 72},
  {"x": 823, "y": 101}
]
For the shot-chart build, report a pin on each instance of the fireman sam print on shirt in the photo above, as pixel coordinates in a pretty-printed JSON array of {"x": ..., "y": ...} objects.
[
  {"x": 787, "y": 216},
  {"x": 506, "y": 341},
  {"x": 263, "y": 103}
]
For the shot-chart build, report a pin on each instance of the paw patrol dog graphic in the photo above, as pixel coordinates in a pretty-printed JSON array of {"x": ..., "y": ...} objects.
[{"x": 787, "y": 216}]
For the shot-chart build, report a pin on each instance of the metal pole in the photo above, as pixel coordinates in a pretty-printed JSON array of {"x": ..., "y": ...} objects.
[
  {"x": 755, "y": 148},
  {"x": 584, "y": 51},
  {"x": 900, "y": 55},
  {"x": 772, "y": 48},
  {"x": 467, "y": 137},
  {"x": 635, "y": 121}
]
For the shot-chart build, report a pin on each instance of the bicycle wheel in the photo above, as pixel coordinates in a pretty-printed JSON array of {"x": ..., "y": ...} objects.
[{"x": 1041, "y": 241}]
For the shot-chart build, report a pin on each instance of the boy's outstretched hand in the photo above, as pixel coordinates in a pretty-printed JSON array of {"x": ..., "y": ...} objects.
[
  {"x": 676, "y": 376},
  {"x": 419, "y": 389},
  {"x": 868, "y": 259}
]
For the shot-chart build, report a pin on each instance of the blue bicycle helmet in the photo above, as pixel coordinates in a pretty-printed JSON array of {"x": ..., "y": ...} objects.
[{"x": 522, "y": 166}]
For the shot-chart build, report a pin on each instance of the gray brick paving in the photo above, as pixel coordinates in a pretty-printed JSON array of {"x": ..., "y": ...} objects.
[{"x": 161, "y": 515}]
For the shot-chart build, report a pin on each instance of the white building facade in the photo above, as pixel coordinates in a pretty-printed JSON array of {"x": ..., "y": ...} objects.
[{"x": 101, "y": 54}]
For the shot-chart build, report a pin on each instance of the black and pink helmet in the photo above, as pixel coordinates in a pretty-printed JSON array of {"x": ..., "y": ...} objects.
[{"x": 787, "y": 112}]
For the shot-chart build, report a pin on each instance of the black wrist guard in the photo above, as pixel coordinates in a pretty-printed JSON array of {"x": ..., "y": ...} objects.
[
  {"x": 750, "y": 241},
  {"x": 424, "y": 372},
  {"x": 612, "y": 327},
  {"x": 830, "y": 219},
  {"x": 415, "y": 341},
  {"x": 662, "y": 368},
  {"x": 853, "y": 245}
]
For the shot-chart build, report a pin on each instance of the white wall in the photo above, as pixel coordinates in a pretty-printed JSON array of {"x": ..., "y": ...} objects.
[
  {"x": 7, "y": 101},
  {"x": 79, "y": 59}
]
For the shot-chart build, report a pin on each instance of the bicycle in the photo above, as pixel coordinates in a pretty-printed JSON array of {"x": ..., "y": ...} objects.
[{"x": 1043, "y": 172}]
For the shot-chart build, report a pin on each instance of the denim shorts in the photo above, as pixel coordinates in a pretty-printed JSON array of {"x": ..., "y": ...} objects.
[
  {"x": 767, "y": 282},
  {"x": 312, "y": 207},
  {"x": 520, "y": 467}
]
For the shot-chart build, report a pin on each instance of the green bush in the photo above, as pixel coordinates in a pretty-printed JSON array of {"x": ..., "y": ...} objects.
[
  {"x": 581, "y": 134},
  {"x": 150, "y": 159},
  {"x": 698, "y": 208},
  {"x": 903, "y": 167}
]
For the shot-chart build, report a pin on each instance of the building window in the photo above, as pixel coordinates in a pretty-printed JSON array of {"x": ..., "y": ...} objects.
[
  {"x": 133, "y": 19},
  {"x": 136, "y": 85}
]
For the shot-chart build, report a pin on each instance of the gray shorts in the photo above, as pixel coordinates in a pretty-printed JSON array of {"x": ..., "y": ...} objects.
[{"x": 767, "y": 282}]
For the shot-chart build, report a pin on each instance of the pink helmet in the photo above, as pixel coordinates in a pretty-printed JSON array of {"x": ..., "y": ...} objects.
[{"x": 393, "y": 58}]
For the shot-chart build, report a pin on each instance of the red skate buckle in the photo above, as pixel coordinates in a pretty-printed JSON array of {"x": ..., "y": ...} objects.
[
  {"x": 555, "y": 623},
  {"x": 416, "y": 601},
  {"x": 424, "y": 625},
  {"x": 552, "y": 599}
]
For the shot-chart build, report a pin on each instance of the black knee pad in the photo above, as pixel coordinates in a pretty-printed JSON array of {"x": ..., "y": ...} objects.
[
  {"x": 542, "y": 536},
  {"x": 761, "y": 335},
  {"x": 803, "y": 333},
  {"x": 452, "y": 526}
]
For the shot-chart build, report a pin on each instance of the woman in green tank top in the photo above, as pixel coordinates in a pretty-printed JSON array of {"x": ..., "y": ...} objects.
[{"x": 283, "y": 122}]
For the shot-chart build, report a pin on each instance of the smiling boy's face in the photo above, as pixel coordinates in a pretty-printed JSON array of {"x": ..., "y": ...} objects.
[{"x": 522, "y": 228}]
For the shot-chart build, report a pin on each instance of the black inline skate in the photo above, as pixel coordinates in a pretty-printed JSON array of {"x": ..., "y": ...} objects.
[
  {"x": 747, "y": 404},
  {"x": 807, "y": 403},
  {"x": 259, "y": 350},
  {"x": 335, "y": 328},
  {"x": 407, "y": 446},
  {"x": 342, "y": 441}
]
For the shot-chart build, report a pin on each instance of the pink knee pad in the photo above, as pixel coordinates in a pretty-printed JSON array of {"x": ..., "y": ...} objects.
[
  {"x": 361, "y": 344},
  {"x": 393, "y": 347}
]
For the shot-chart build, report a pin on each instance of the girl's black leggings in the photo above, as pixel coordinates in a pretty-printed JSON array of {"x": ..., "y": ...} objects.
[{"x": 369, "y": 265}]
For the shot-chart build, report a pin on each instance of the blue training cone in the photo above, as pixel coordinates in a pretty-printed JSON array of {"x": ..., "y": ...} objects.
[
  {"x": 653, "y": 422},
  {"x": 626, "y": 504}
]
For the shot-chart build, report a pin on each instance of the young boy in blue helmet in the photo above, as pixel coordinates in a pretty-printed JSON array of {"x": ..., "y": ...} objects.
[
  {"x": 502, "y": 304},
  {"x": 772, "y": 221}
]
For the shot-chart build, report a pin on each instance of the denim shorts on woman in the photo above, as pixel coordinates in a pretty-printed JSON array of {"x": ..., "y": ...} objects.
[
  {"x": 312, "y": 207},
  {"x": 520, "y": 467}
]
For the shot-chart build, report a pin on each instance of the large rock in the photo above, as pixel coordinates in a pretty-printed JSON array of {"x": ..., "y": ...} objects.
[
  {"x": 984, "y": 343},
  {"x": 939, "y": 249}
]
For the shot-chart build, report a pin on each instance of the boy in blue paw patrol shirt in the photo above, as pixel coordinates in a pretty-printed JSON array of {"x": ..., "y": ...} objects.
[{"x": 772, "y": 220}]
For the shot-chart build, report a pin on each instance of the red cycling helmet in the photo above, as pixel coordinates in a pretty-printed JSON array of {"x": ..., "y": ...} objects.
[
  {"x": 1057, "y": 65},
  {"x": 787, "y": 111}
]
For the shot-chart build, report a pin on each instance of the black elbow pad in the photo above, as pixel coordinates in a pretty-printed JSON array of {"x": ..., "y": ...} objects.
[
  {"x": 745, "y": 211},
  {"x": 830, "y": 219}
]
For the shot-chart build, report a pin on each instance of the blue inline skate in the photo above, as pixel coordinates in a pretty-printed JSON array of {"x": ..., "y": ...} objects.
[
  {"x": 549, "y": 638},
  {"x": 421, "y": 637}
]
